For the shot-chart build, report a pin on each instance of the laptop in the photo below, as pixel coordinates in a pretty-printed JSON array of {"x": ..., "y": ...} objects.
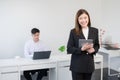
[{"x": 41, "y": 55}]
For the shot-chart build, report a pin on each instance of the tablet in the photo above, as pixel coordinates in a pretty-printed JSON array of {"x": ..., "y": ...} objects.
[{"x": 83, "y": 41}]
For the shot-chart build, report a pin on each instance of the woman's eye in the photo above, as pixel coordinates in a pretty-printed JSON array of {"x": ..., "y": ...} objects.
[
  {"x": 80, "y": 18},
  {"x": 85, "y": 17}
]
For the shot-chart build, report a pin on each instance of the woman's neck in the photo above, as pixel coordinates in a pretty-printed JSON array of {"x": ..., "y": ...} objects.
[{"x": 85, "y": 27}]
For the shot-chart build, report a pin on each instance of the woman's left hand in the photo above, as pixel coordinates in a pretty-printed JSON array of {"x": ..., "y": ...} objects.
[{"x": 91, "y": 50}]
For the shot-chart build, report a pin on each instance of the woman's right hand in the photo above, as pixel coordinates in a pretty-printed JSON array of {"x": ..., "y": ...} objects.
[{"x": 86, "y": 46}]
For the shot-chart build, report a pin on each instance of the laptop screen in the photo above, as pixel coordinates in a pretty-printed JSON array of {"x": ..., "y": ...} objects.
[{"x": 41, "y": 55}]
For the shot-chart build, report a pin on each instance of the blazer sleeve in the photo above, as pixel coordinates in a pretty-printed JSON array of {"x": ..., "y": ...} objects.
[
  {"x": 71, "y": 48},
  {"x": 96, "y": 44}
]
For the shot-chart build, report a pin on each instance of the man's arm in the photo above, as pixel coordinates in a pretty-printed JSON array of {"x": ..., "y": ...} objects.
[{"x": 27, "y": 54}]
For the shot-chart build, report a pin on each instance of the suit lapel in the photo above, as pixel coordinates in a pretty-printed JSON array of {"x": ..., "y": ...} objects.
[
  {"x": 89, "y": 33},
  {"x": 82, "y": 35}
]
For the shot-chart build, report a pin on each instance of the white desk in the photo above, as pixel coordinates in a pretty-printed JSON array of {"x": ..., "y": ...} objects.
[
  {"x": 11, "y": 68},
  {"x": 111, "y": 54},
  {"x": 99, "y": 58},
  {"x": 58, "y": 64},
  {"x": 63, "y": 64}
]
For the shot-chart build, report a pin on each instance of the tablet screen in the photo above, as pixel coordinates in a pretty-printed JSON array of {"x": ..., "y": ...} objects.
[{"x": 83, "y": 41}]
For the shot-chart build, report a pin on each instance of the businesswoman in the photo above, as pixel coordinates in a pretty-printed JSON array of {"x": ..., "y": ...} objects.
[{"x": 82, "y": 60}]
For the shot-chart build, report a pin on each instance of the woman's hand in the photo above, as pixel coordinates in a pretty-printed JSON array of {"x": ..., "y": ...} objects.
[
  {"x": 91, "y": 50},
  {"x": 86, "y": 47}
]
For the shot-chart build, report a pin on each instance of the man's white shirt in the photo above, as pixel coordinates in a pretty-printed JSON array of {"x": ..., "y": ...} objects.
[{"x": 31, "y": 47}]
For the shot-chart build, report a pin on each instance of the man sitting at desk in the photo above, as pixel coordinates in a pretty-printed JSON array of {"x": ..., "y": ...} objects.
[{"x": 30, "y": 47}]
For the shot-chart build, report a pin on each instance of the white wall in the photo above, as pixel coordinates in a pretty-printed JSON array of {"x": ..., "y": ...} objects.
[
  {"x": 111, "y": 19},
  {"x": 54, "y": 18}
]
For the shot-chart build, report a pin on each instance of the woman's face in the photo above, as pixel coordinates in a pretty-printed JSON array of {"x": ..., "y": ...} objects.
[{"x": 83, "y": 20}]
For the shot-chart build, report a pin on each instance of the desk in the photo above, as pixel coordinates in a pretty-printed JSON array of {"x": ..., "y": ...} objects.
[
  {"x": 11, "y": 68},
  {"x": 58, "y": 64},
  {"x": 99, "y": 59},
  {"x": 112, "y": 54}
]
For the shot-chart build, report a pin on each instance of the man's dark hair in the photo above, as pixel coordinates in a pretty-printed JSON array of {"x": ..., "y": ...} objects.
[{"x": 35, "y": 30}]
